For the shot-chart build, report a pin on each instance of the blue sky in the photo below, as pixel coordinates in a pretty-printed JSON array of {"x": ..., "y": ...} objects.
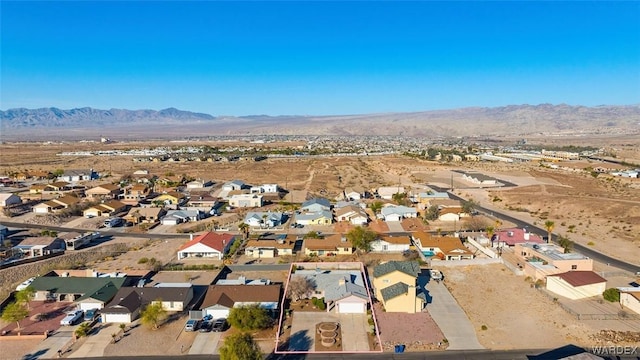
[{"x": 317, "y": 58}]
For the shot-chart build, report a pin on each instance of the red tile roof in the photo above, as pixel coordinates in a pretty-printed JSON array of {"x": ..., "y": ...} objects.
[
  {"x": 517, "y": 236},
  {"x": 210, "y": 239},
  {"x": 581, "y": 278}
]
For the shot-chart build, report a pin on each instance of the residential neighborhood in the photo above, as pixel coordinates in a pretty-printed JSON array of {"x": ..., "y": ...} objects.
[{"x": 356, "y": 264}]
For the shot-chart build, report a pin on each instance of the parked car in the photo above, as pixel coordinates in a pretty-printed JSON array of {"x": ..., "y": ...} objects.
[
  {"x": 219, "y": 325},
  {"x": 436, "y": 275},
  {"x": 90, "y": 314},
  {"x": 205, "y": 326},
  {"x": 72, "y": 317},
  {"x": 191, "y": 325},
  {"x": 25, "y": 284}
]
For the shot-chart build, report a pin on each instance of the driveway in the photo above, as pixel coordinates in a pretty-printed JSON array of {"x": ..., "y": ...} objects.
[
  {"x": 48, "y": 348},
  {"x": 205, "y": 343},
  {"x": 353, "y": 327},
  {"x": 99, "y": 338},
  {"x": 451, "y": 319},
  {"x": 395, "y": 226}
]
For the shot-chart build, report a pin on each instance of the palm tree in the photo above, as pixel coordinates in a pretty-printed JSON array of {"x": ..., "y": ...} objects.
[
  {"x": 244, "y": 227},
  {"x": 549, "y": 225},
  {"x": 490, "y": 231}
]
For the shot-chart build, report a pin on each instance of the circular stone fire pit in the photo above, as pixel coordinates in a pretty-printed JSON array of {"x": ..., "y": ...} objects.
[
  {"x": 328, "y": 326},
  {"x": 327, "y": 342}
]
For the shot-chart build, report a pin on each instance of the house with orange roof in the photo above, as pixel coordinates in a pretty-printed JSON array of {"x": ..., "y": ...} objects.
[
  {"x": 443, "y": 247},
  {"x": 209, "y": 245},
  {"x": 106, "y": 209},
  {"x": 332, "y": 245},
  {"x": 391, "y": 244}
]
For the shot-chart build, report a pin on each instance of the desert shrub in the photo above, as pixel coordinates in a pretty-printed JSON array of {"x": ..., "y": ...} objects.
[
  {"x": 484, "y": 327},
  {"x": 611, "y": 295},
  {"x": 143, "y": 260}
]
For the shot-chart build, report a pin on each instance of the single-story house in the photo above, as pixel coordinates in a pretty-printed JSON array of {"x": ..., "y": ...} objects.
[
  {"x": 130, "y": 301},
  {"x": 203, "y": 200},
  {"x": 7, "y": 200},
  {"x": 175, "y": 217},
  {"x": 207, "y": 245},
  {"x": 78, "y": 175},
  {"x": 576, "y": 285},
  {"x": 264, "y": 219},
  {"x": 37, "y": 188},
  {"x": 451, "y": 214},
  {"x": 387, "y": 192},
  {"x": 234, "y": 185},
  {"x": 171, "y": 198},
  {"x": 264, "y": 188},
  {"x": 87, "y": 292},
  {"x": 387, "y": 243},
  {"x": 245, "y": 200},
  {"x": 54, "y": 205},
  {"x": 199, "y": 184},
  {"x": 511, "y": 237},
  {"x": 630, "y": 298},
  {"x": 271, "y": 246},
  {"x": 353, "y": 214},
  {"x": 336, "y": 244},
  {"x": 397, "y": 213},
  {"x": 220, "y": 299},
  {"x": 315, "y": 218},
  {"x": 40, "y": 246},
  {"x": 58, "y": 186},
  {"x": 104, "y": 191},
  {"x": 316, "y": 205},
  {"x": 342, "y": 290},
  {"x": 107, "y": 209},
  {"x": 443, "y": 247},
  {"x": 395, "y": 285},
  {"x": 150, "y": 215}
]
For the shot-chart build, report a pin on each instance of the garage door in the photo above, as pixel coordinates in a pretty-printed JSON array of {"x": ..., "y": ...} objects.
[
  {"x": 87, "y": 306},
  {"x": 351, "y": 308},
  {"x": 116, "y": 318},
  {"x": 218, "y": 314}
]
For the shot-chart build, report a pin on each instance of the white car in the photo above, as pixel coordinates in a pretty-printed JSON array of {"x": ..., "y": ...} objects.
[
  {"x": 25, "y": 284},
  {"x": 72, "y": 317}
]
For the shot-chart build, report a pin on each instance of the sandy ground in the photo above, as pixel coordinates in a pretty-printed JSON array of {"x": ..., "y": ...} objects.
[{"x": 515, "y": 314}]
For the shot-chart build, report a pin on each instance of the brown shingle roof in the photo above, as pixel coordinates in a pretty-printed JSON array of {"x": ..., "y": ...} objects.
[
  {"x": 328, "y": 243},
  {"x": 228, "y": 295},
  {"x": 398, "y": 240},
  {"x": 581, "y": 278}
]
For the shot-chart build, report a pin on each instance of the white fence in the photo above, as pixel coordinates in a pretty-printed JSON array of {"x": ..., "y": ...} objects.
[
  {"x": 490, "y": 253},
  {"x": 449, "y": 263}
]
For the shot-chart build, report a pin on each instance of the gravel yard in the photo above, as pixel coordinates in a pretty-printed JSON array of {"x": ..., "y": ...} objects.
[{"x": 418, "y": 332}]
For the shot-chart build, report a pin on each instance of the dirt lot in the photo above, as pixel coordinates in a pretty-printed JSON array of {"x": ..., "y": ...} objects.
[
  {"x": 515, "y": 314},
  {"x": 417, "y": 331}
]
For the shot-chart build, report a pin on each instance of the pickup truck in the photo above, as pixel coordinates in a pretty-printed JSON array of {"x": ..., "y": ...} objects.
[{"x": 72, "y": 317}]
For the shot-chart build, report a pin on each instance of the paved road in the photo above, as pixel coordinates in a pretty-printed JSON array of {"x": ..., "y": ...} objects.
[
  {"x": 103, "y": 231},
  {"x": 584, "y": 250},
  {"x": 449, "y": 355},
  {"x": 451, "y": 319}
]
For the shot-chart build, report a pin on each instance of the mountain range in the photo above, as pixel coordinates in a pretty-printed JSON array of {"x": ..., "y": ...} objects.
[{"x": 512, "y": 120}]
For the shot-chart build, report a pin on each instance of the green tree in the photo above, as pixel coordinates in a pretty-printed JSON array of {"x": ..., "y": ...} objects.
[
  {"x": 549, "y": 225},
  {"x": 153, "y": 314},
  {"x": 399, "y": 198},
  {"x": 469, "y": 207},
  {"x": 240, "y": 346},
  {"x": 312, "y": 235},
  {"x": 361, "y": 238},
  {"x": 14, "y": 312},
  {"x": 25, "y": 295},
  {"x": 490, "y": 231},
  {"x": 432, "y": 212},
  {"x": 249, "y": 318},
  {"x": 376, "y": 206},
  {"x": 565, "y": 243},
  {"x": 611, "y": 295}
]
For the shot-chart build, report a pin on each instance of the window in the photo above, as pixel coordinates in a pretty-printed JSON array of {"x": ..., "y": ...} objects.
[{"x": 574, "y": 267}]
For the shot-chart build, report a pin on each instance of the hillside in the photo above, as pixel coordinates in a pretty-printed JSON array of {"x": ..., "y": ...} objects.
[{"x": 513, "y": 120}]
